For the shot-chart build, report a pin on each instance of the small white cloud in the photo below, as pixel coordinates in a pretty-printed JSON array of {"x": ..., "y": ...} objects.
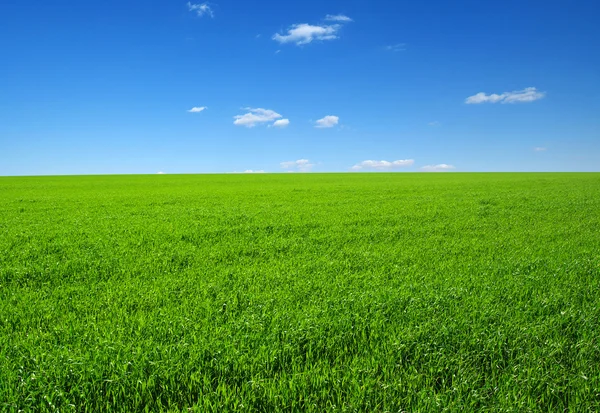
[
  {"x": 301, "y": 165},
  {"x": 383, "y": 165},
  {"x": 160, "y": 173},
  {"x": 250, "y": 171},
  {"x": 306, "y": 33},
  {"x": 434, "y": 123},
  {"x": 529, "y": 94},
  {"x": 540, "y": 149},
  {"x": 197, "y": 109},
  {"x": 437, "y": 168},
  {"x": 483, "y": 98},
  {"x": 201, "y": 9},
  {"x": 327, "y": 122},
  {"x": 338, "y": 18},
  {"x": 398, "y": 47},
  {"x": 255, "y": 117},
  {"x": 281, "y": 123}
]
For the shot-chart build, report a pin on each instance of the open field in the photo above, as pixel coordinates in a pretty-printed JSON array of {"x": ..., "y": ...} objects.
[{"x": 315, "y": 292}]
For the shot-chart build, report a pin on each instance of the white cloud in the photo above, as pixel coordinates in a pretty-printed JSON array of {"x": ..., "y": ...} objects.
[
  {"x": 197, "y": 109},
  {"x": 529, "y": 94},
  {"x": 281, "y": 123},
  {"x": 301, "y": 165},
  {"x": 201, "y": 9},
  {"x": 438, "y": 168},
  {"x": 383, "y": 165},
  {"x": 434, "y": 123},
  {"x": 540, "y": 149},
  {"x": 483, "y": 98},
  {"x": 327, "y": 122},
  {"x": 250, "y": 171},
  {"x": 338, "y": 18},
  {"x": 160, "y": 173},
  {"x": 255, "y": 117},
  {"x": 398, "y": 47},
  {"x": 306, "y": 33}
]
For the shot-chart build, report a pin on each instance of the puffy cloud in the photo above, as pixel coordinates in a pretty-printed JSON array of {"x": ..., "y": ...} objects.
[
  {"x": 201, "y": 9},
  {"x": 256, "y": 116},
  {"x": 438, "y": 168},
  {"x": 327, "y": 122},
  {"x": 281, "y": 123},
  {"x": 306, "y": 33},
  {"x": 197, "y": 109},
  {"x": 529, "y": 94},
  {"x": 301, "y": 165},
  {"x": 338, "y": 18},
  {"x": 160, "y": 173},
  {"x": 383, "y": 165}
]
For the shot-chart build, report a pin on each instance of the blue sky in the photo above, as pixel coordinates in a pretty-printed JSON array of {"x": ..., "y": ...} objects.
[{"x": 355, "y": 85}]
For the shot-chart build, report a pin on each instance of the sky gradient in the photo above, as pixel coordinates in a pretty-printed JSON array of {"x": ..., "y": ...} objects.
[{"x": 119, "y": 87}]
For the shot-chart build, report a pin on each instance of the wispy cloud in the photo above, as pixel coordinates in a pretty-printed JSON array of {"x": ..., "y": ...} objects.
[
  {"x": 529, "y": 94},
  {"x": 540, "y": 149},
  {"x": 383, "y": 165},
  {"x": 327, "y": 122},
  {"x": 301, "y": 165},
  {"x": 281, "y": 123},
  {"x": 250, "y": 171},
  {"x": 338, "y": 18},
  {"x": 305, "y": 33},
  {"x": 398, "y": 47},
  {"x": 201, "y": 9},
  {"x": 438, "y": 168},
  {"x": 256, "y": 117},
  {"x": 197, "y": 109},
  {"x": 434, "y": 123}
]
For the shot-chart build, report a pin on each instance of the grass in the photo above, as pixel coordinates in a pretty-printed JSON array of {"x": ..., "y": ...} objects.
[{"x": 300, "y": 293}]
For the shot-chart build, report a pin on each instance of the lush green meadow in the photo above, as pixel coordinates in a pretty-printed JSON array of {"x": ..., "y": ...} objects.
[{"x": 300, "y": 292}]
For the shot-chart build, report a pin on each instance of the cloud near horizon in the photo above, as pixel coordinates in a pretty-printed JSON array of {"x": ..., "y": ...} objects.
[
  {"x": 301, "y": 165},
  {"x": 383, "y": 165},
  {"x": 442, "y": 167},
  {"x": 529, "y": 94}
]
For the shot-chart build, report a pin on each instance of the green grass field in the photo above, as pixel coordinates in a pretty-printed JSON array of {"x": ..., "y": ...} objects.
[{"x": 312, "y": 292}]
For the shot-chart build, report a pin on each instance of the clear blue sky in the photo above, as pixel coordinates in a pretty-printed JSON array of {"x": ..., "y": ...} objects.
[{"x": 94, "y": 87}]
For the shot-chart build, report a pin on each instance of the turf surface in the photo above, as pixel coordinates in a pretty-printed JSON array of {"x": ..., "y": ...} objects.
[{"x": 312, "y": 292}]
